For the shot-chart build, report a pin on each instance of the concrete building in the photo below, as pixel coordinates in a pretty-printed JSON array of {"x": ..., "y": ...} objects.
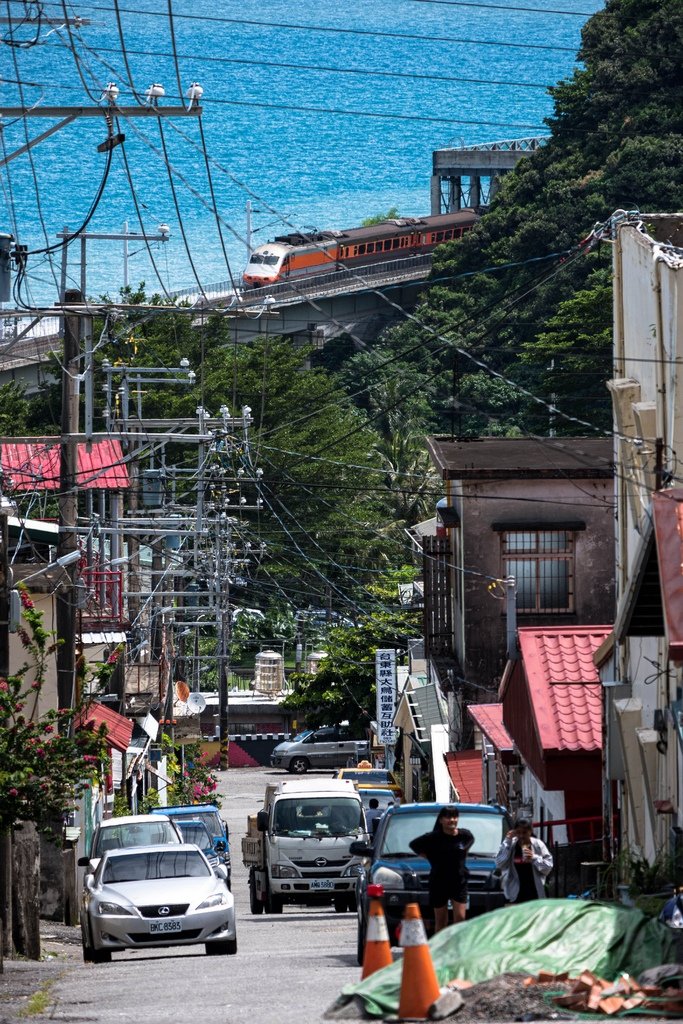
[
  {"x": 540, "y": 510},
  {"x": 641, "y": 664}
]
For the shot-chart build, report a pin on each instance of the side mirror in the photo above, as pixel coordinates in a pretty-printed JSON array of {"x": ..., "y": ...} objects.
[
  {"x": 360, "y": 849},
  {"x": 225, "y": 828},
  {"x": 262, "y": 821},
  {"x": 83, "y": 862},
  {"x": 220, "y": 846},
  {"x": 89, "y": 881},
  {"x": 221, "y": 872}
]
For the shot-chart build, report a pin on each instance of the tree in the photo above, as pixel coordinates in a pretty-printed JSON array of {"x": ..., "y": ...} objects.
[
  {"x": 379, "y": 218},
  {"x": 44, "y": 765},
  {"x": 343, "y": 688},
  {"x": 616, "y": 142}
]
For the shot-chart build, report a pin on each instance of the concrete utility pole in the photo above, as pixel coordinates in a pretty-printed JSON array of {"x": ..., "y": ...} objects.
[{"x": 68, "y": 508}]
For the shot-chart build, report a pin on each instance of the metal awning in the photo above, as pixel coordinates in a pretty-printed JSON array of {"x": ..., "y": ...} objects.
[{"x": 104, "y": 637}]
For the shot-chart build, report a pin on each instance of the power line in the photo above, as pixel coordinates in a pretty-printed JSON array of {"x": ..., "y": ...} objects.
[{"x": 337, "y": 30}]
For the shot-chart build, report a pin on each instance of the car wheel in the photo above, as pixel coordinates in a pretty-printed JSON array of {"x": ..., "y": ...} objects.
[
  {"x": 351, "y": 903},
  {"x": 101, "y": 956},
  {"x": 226, "y": 948},
  {"x": 299, "y": 765},
  {"x": 88, "y": 951},
  {"x": 360, "y": 949},
  {"x": 255, "y": 904},
  {"x": 340, "y": 904}
]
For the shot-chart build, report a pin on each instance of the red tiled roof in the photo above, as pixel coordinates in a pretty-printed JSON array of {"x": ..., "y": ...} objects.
[
  {"x": 489, "y": 718},
  {"x": 119, "y": 729},
  {"x": 34, "y": 465},
  {"x": 464, "y": 768},
  {"x": 564, "y": 686}
]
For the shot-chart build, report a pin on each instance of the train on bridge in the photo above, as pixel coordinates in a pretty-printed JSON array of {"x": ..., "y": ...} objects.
[{"x": 297, "y": 255}]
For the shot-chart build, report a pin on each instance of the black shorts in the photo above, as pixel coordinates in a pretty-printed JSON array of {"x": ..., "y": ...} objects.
[{"x": 439, "y": 895}]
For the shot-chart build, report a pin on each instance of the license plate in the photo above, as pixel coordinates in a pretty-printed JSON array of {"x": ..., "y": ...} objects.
[
  {"x": 157, "y": 927},
  {"x": 322, "y": 883}
]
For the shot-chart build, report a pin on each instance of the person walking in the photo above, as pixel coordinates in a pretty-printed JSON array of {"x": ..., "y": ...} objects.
[
  {"x": 373, "y": 814},
  {"x": 445, "y": 847},
  {"x": 525, "y": 862}
]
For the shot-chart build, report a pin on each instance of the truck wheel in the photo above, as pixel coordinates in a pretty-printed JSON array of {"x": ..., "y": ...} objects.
[
  {"x": 255, "y": 904},
  {"x": 274, "y": 904},
  {"x": 340, "y": 904},
  {"x": 299, "y": 765}
]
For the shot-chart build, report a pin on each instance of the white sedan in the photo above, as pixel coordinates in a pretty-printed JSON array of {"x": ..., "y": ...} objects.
[{"x": 151, "y": 896}]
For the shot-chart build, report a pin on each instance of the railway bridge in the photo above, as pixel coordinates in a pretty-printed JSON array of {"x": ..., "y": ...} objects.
[{"x": 315, "y": 309}]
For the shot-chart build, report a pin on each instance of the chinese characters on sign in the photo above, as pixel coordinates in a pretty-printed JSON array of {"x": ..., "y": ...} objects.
[{"x": 385, "y": 675}]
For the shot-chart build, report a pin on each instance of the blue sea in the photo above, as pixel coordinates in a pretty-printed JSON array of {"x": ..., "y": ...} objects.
[{"x": 319, "y": 114}]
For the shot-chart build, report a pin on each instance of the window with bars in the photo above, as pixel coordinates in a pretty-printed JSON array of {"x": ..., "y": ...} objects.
[{"x": 542, "y": 562}]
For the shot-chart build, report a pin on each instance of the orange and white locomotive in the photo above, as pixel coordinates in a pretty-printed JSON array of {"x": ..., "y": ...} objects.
[{"x": 302, "y": 255}]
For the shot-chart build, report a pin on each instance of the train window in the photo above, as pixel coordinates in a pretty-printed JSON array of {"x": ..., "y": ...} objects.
[
  {"x": 448, "y": 235},
  {"x": 256, "y": 257},
  {"x": 395, "y": 243},
  {"x": 370, "y": 247},
  {"x": 361, "y": 250},
  {"x": 270, "y": 260}
]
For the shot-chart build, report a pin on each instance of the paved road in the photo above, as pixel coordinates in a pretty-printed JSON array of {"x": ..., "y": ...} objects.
[{"x": 288, "y": 968}]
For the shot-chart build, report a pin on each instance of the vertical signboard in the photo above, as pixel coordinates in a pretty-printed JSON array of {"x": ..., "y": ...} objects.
[{"x": 385, "y": 675}]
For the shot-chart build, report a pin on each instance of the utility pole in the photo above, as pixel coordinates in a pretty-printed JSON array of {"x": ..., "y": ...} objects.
[
  {"x": 68, "y": 508},
  {"x": 5, "y": 837}
]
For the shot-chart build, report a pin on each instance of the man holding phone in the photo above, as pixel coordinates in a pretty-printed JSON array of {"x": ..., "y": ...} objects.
[{"x": 525, "y": 862}]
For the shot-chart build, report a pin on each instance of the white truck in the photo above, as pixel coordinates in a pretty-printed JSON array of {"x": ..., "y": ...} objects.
[{"x": 297, "y": 848}]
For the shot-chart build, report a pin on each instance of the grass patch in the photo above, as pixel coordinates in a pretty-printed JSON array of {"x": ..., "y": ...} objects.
[{"x": 39, "y": 1002}]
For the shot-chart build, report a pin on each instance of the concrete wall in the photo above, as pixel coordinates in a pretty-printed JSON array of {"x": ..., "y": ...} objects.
[{"x": 587, "y": 501}]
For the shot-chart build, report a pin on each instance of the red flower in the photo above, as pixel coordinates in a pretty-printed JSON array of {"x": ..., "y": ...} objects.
[
  {"x": 14, "y": 792},
  {"x": 26, "y": 600}
]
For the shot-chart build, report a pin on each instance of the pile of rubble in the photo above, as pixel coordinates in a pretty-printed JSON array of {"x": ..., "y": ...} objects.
[{"x": 655, "y": 993}]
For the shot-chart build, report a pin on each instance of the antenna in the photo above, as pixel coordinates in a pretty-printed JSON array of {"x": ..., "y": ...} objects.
[{"x": 196, "y": 703}]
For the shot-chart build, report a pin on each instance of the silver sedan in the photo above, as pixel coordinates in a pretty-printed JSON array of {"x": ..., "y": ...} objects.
[{"x": 156, "y": 896}]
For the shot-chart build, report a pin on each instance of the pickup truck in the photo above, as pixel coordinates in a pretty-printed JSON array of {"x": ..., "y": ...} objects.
[{"x": 388, "y": 861}]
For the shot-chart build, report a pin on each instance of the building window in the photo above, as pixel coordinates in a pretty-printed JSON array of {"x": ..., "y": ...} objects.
[{"x": 542, "y": 562}]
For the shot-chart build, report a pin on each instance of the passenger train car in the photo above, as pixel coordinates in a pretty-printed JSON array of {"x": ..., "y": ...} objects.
[{"x": 300, "y": 255}]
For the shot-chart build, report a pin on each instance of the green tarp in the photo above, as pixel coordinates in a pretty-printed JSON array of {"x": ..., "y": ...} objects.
[{"x": 550, "y": 935}]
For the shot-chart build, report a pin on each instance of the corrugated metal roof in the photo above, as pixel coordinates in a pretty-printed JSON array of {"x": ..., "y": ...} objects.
[
  {"x": 465, "y": 770},
  {"x": 119, "y": 729},
  {"x": 426, "y": 708},
  {"x": 522, "y": 458},
  {"x": 489, "y": 718},
  {"x": 564, "y": 685},
  {"x": 34, "y": 465},
  {"x": 105, "y": 637}
]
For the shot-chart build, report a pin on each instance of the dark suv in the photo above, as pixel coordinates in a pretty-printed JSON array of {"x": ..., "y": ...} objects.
[{"x": 391, "y": 863}]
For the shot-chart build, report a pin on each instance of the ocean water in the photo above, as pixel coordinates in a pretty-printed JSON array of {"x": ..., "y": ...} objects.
[{"x": 320, "y": 114}]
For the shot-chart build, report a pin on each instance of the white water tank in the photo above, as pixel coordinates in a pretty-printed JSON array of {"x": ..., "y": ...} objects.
[
  {"x": 269, "y": 674},
  {"x": 313, "y": 659}
]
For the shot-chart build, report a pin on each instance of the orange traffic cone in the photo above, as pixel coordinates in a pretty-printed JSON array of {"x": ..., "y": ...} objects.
[
  {"x": 377, "y": 946},
  {"x": 419, "y": 985}
]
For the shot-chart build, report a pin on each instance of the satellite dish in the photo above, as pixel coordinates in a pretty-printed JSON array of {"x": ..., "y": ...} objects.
[{"x": 196, "y": 703}]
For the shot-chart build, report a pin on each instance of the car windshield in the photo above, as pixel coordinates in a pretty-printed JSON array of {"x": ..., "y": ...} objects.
[
  {"x": 195, "y": 832},
  {"x": 145, "y": 833},
  {"x": 368, "y": 776},
  {"x": 318, "y": 816},
  {"x": 142, "y": 867},
  {"x": 488, "y": 831},
  {"x": 211, "y": 818}
]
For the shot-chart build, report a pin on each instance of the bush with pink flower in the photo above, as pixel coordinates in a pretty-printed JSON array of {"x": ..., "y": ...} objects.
[{"x": 44, "y": 763}]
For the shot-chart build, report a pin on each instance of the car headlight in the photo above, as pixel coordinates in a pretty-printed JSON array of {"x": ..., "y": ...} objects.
[
  {"x": 219, "y": 899},
  {"x": 388, "y": 878},
  {"x": 284, "y": 871},
  {"x": 113, "y": 910},
  {"x": 352, "y": 870}
]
